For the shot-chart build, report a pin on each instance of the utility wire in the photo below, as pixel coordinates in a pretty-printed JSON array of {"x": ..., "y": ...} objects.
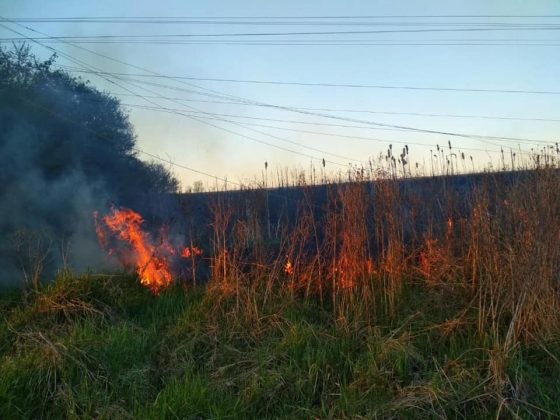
[
  {"x": 210, "y": 124},
  {"x": 446, "y": 25},
  {"x": 302, "y": 44},
  {"x": 201, "y": 119},
  {"x": 478, "y": 137},
  {"x": 387, "y": 141},
  {"x": 400, "y": 127},
  {"x": 368, "y": 122},
  {"x": 155, "y": 156},
  {"x": 361, "y": 111},
  {"x": 379, "y": 31},
  {"x": 270, "y": 19},
  {"x": 214, "y": 114},
  {"x": 337, "y": 85}
]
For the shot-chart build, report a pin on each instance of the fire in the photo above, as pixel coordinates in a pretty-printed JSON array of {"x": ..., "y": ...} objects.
[
  {"x": 151, "y": 261},
  {"x": 370, "y": 267},
  {"x": 289, "y": 268},
  {"x": 190, "y": 251}
]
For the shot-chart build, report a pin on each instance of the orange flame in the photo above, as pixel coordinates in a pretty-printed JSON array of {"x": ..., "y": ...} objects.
[
  {"x": 150, "y": 263},
  {"x": 190, "y": 251},
  {"x": 289, "y": 268}
]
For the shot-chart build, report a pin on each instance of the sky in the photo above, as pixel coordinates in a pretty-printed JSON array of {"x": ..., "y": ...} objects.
[{"x": 232, "y": 144}]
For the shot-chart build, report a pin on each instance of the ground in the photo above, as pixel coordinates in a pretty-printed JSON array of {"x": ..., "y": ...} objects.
[{"x": 102, "y": 346}]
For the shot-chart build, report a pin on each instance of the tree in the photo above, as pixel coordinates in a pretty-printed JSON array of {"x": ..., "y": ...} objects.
[
  {"x": 71, "y": 125},
  {"x": 66, "y": 148},
  {"x": 198, "y": 187}
]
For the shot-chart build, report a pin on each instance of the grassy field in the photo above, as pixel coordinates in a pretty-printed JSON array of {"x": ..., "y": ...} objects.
[
  {"x": 390, "y": 289},
  {"x": 383, "y": 303},
  {"x": 105, "y": 347}
]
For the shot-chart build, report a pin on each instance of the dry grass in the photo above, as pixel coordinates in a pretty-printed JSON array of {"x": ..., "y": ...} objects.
[
  {"x": 374, "y": 298},
  {"x": 354, "y": 247}
]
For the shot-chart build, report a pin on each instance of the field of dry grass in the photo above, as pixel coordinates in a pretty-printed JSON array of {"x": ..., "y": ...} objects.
[{"x": 375, "y": 302}]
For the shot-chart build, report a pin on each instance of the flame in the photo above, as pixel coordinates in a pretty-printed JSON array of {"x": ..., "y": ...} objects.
[
  {"x": 149, "y": 260},
  {"x": 289, "y": 268},
  {"x": 370, "y": 266},
  {"x": 190, "y": 251}
]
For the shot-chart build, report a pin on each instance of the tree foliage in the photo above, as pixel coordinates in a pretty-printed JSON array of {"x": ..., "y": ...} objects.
[
  {"x": 66, "y": 150},
  {"x": 62, "y": 124}
]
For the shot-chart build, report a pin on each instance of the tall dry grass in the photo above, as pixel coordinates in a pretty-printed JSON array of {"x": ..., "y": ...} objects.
[{"x": 353, "y": 243}]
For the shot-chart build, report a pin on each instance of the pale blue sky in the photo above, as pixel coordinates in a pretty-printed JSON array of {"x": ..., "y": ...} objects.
[{"x": 224, "y": 154}]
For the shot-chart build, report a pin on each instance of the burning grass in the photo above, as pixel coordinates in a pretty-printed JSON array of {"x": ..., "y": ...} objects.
[
  {"x": 122, "y": 235},
  {"x": 369, "y": 299}
]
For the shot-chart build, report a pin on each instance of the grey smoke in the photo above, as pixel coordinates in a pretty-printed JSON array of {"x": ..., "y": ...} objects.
[
  {"x": 66, "y": 150},
  {"x": 56, "y": 211}
]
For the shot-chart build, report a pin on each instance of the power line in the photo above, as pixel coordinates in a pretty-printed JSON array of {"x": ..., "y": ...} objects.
[
  {"x": 140, "y": 96},
  {"x": 399, "y": 39},
  {"x": 448, "y": 24},
  {"x": 373, "y": 123},
  {"x": 102, "y": 136},
  {"x": 219, "y": 127},
  {"x": 400, "y": 127},
  {"x": 443, "y": 43},
  {"x": 415, "y": 129},
  {"x": 214, "y": 116},
  {"x": 163, "y": 19},
  {"x": 201, "y": 119},
  {"x": 509, "y": 139},
  {"x": 337, "y": 85},
  {"x": 387, "y": 141},
  {"x": 361, "y": 111},
  {"x": 355, "y": 32},
  {"x": 135, "y": 148},
  {"x": 406, "y": 128}
]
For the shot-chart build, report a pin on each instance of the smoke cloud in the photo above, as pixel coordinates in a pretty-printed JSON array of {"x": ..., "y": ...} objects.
[{"x": 66, "y": 150}]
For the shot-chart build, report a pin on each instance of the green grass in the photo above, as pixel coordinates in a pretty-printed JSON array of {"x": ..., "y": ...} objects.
[{"x": 104, "y": 347}]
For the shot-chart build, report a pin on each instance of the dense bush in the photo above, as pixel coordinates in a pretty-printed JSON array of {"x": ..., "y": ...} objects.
[{"x": 66, "y": 149}]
